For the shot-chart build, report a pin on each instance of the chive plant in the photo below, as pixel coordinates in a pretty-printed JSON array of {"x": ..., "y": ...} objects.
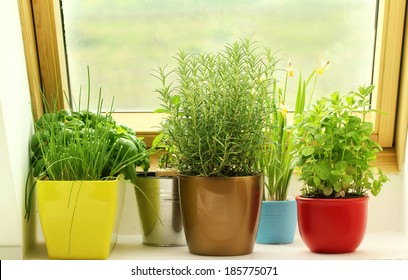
[
  {"x": 217, "y": 106},
  {"x": 73, "y": 145}
]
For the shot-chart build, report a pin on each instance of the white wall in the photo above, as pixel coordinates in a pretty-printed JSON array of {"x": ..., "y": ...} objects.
[
  {"x": 15, "y": 130},
  {"x": 405, "y": 193}
]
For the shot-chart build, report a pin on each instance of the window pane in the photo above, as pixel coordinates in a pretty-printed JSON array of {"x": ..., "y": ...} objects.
[{"x": 123, "y": 40}]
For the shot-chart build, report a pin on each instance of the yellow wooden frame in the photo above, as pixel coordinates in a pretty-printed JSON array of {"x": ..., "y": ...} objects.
[
  {"x": 46, "y": 67},
  {"x": 45, "y": 53}
]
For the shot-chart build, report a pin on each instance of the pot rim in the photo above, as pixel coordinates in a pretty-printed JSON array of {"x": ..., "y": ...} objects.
[
  {"x": 289, "y": 200},
  {"x": 74, "y": 181},
  {"x": 194, "y": 177},
  {"x": 331, "y": 199},
  {"x": 152, "y": 175}
]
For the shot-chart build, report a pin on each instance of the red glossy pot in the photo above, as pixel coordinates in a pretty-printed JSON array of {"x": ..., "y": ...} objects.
[{"x": 332, "y": 225}]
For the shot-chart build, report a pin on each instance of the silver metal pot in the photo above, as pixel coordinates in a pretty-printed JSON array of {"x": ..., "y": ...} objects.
[{"x": 159, "y": 210}]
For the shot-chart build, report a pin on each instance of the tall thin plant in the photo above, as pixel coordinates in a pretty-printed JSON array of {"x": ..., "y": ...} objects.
[{"x": 277, "y": 161}]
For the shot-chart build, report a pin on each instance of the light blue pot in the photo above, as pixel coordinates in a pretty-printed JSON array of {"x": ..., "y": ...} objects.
[{"x": 277, "y": 223}]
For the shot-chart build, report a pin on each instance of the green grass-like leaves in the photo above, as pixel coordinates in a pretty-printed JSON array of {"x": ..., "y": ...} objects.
[{"x": 71, "y": 145}]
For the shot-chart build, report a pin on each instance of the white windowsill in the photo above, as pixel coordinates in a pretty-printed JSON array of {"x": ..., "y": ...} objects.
[{"x": 377, "y": 245}]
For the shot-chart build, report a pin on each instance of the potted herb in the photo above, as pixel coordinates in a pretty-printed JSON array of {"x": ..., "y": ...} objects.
[
  {"x": 334, "y": 156},
  {"x": 77, "y": 161},
  {"x": 278, "y": 218},
  {"x": 217, "y": 108},
  {"x": 160, "y": 214}
]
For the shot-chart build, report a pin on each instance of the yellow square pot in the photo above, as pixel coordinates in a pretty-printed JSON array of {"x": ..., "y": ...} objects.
[{"x": 80, "y": 219}]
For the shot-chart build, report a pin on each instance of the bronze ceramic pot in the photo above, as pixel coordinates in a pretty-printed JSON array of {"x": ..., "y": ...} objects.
[{"x": 220, "y": 215}]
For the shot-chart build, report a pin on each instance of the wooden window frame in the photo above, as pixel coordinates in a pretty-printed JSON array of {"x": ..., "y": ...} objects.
[{"x": 47, "y": 71}]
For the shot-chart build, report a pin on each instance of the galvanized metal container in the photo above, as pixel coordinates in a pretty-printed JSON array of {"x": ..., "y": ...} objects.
[{"x": 159, "y": 210}]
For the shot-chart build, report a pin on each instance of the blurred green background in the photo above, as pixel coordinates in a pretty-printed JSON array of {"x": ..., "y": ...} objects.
[{"x": 122, "y": 41}]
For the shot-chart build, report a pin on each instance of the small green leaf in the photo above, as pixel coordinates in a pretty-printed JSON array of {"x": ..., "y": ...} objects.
[
  {"x": 336, "y": 173},
  {"x": 160, "y": 110},
  {"x": 337, "y": 187},
  {"x": 327, "y": 191},
  {"x": 346, "y": 180},
  {"x": 341, "y": 166},
  {"x": 357, "y": 147},
  {"x": 175, "y": 99},
  {"x": 316, "y": 181},
  {"x": 307, "y": 151},
  {"x": 376, "y": 188},
  {"x": 322, "y": 170},
  {"x": 350, "y": 100},
  {"x": 310, "y": 181},
  {"x": 328, "y": 147}
]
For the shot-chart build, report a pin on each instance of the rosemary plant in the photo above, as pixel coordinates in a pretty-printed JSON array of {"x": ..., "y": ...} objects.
[{"x": 217, "y": 109}]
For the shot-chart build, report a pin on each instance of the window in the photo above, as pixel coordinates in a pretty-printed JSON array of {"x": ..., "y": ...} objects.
[
  {"x": 47, "y": 41},
  {"x": 122, "y": 41}
]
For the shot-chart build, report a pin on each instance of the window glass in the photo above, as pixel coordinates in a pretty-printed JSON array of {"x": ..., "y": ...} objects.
[{"x": 123, "y": 40}]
